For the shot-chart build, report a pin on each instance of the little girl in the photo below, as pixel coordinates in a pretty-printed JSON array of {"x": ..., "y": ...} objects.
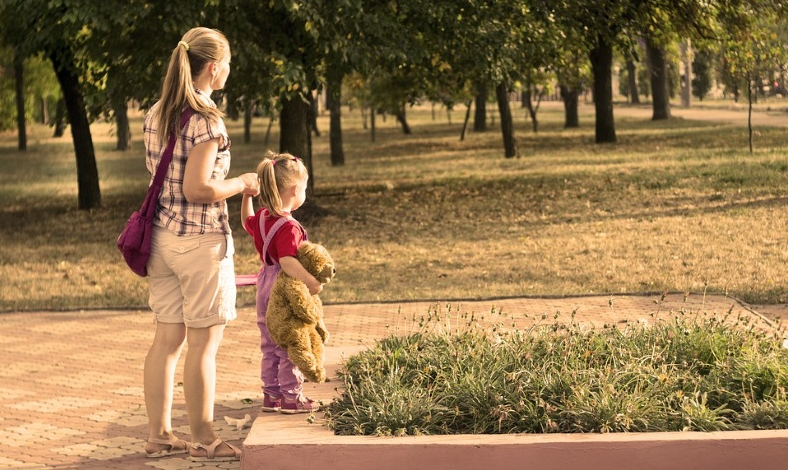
[{"x": 277, "y": 235}]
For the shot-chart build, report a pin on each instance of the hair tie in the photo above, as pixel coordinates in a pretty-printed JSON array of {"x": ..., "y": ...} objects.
[
  {"x": 184, "y": 44},
  {"x": 273, "y": 162}
]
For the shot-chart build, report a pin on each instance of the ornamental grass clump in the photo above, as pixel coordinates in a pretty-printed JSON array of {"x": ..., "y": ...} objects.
[{"x": 685, "y": 372}]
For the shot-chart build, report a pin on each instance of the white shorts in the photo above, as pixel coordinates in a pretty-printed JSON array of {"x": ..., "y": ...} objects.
[{"x": 191, "y": 279}]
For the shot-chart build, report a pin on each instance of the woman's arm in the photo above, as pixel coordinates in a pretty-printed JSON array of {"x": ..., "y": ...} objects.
[
  {"x": 199, "y": 188},
  {"x": 293, "y": 268}
]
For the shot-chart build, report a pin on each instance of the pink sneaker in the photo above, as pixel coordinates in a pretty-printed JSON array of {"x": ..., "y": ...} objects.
[
  {"x": 271, "y": 404},
  {"x": 300, "y": 405}
]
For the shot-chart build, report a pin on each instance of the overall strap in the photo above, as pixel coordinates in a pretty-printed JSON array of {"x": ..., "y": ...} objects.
[{"x": 267, "y": 237}]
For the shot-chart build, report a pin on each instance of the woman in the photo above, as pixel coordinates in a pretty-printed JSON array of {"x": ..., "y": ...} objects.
[{"x": 191, "y": 273}]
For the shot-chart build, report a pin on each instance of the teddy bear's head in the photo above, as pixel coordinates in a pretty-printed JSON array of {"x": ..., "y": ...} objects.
[{"x": 315, "y": 259}]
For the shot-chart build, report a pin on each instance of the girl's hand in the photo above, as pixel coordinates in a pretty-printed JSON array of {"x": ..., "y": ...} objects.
[
  {"x": 315, "y": 289},
  {"x": 251, "y": 186}
]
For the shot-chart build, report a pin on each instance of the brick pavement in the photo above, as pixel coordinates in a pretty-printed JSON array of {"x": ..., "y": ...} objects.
[{"x": 71, "y": 382}]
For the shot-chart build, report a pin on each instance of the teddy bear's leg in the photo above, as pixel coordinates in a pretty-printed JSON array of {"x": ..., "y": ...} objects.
[
  {"x": 299, "y": 351},
  {"x": 305, "y": 361},
  {"x": 318, "y": 351},
  {"x": 322, "y": 331}
]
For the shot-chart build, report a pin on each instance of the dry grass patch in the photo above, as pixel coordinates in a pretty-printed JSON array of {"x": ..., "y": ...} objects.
[{"x": 676, "y": 205}]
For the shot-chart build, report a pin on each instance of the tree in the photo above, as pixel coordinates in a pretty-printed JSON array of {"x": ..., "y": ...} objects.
[
  {"x": 334, "y": 75},
  {"x": 480, "y": 115},
  {"x": 753, "y": 44},
  {"x": 601, "y": 22},
  {"x": 634, "y": 96},
  {"x": 498, "y": 43},
  {"x": 658, "y": 69},
  {"x": 59, "y": 46},
  {"x": 19, "y": 69},
  {"x": 79, "y": 43},
  {"x": 701, "y": 67}
]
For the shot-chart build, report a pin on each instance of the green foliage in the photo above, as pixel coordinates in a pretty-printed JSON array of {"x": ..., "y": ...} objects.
[
  {"x": 690, "y": 372},
  {"x": 702, "y": 68},
  {"x": 39, "y": 83}
]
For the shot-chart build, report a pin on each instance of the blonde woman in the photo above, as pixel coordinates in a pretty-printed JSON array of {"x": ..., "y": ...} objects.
[{"x": 190, "y": 271}]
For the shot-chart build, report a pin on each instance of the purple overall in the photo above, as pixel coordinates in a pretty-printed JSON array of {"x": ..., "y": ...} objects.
[{"x": 280, "y": 377}]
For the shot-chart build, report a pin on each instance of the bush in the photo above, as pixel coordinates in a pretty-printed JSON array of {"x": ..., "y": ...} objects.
[{"x": 691, "y": 372}]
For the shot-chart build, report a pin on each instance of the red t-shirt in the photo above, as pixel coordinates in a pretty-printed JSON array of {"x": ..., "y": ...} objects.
[{"x": 285, "y": 241}]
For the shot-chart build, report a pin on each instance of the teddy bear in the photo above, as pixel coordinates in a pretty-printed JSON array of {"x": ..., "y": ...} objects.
[{"x": 295, "y": 317}]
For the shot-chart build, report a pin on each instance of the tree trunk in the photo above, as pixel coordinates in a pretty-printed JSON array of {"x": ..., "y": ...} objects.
[
  {"x": 231, "y": 110},
  {"x": 507, "y": 124},
  {"x": 44, "y": 111},
  {"x": 686, "y": 79},
  {"x": 248, "y": 107},
  {"x": 480, "y": 116},
  {"x": 403, "y": 120},
  {"x": 601, "y": 62},
  {"x": 659, "y": 81},
  {"x": 465, "y": 122},
  {"x": 749, "y": 110},
  {"x": 123, "y": 134},
  {"x": 87, "y": 171},
  {"x": 570, "y": 97},
  {"x": 312, "y": 114},
  {"x": 334, "y": 99},
  {"x": 268, "y": 130},
  {"x": 527, "y": 100},
  {"x": 19, "y": 72},
  {"x": 61, "y": 118},
  {"x": 372, "y": 123},
  {"x": 294, "y": 133},
  {"x": 634, "y": 96}
]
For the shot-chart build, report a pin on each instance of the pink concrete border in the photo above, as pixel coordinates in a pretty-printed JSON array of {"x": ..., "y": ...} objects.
[
  {"x": 318, "y": 448},
  {"x": 285, "y": 442}
]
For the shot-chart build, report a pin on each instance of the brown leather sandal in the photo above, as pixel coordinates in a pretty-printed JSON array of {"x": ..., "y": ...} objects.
[
  {"x": 177, "y": 446},
  {"x": 210, "y": 451}
]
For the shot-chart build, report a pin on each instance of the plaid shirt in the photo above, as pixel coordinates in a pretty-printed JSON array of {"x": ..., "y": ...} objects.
[{"x": 173, "y": 210}]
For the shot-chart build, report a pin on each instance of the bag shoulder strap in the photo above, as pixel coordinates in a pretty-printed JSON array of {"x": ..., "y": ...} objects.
[
  {"x": 166, "y": 157},
  {"x": 149, "y": 205}
]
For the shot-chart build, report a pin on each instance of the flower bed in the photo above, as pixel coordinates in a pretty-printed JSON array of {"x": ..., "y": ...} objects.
[{"x": 687, "y": 371}]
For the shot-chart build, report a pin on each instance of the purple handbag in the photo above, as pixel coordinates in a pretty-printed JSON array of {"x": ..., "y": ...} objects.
[{"x": 135, "y": 240}]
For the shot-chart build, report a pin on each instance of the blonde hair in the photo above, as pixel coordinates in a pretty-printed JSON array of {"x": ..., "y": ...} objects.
[
  {"x": 196, "y": 50},
  {"x": 278, "y": 170}
]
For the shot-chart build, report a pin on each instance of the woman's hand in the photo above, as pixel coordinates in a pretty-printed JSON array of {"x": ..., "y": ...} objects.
[
  {"x": 200, "y": 188},
  {"x": 251, "y": 186}
]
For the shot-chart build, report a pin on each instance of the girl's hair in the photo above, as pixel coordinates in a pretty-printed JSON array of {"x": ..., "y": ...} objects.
[
  {"x": 278, "y": 170},
  {"x": 196, "y": 50}
]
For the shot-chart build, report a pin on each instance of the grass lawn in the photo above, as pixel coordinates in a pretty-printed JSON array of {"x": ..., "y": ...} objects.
[{"x": 675, "y": 205}]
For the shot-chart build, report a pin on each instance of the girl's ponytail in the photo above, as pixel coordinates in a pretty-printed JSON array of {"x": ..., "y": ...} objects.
[{"x": 269, "y": 191}]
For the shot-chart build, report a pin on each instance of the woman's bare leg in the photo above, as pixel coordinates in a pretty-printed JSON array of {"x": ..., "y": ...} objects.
[{"x": 159, "y": 377}]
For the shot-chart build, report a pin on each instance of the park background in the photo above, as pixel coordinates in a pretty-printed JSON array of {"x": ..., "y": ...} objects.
[{"x": 458, "y": 150}]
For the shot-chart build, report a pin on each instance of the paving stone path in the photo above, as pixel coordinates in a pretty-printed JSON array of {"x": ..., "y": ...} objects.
[{"x": 71, "y": 382}]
